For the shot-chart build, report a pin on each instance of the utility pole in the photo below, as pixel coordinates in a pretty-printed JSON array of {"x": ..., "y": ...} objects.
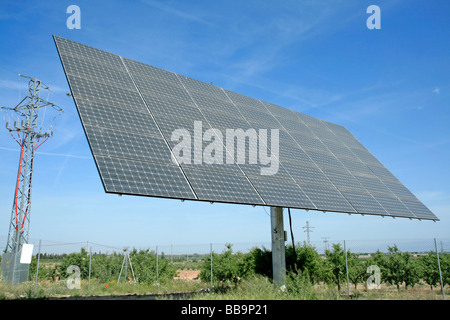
[
  {"x": 26, "y": 133},
  {"x": 325, "y": 243},
  {"x": 308, "y": 231}
]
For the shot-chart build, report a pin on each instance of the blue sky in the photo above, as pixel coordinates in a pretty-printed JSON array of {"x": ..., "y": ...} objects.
[{"x": 389, "y": 87}]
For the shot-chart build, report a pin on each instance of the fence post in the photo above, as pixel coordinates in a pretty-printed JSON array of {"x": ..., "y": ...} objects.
[
  {"x": 439, "y": 266},
  {"x": 346, "y": 269},
  {"x": 157, "y": 275},
  {"x": 211, "y": 265},
  {"x": 37, "y": 267},
  {"x": 90, "y": 261}
]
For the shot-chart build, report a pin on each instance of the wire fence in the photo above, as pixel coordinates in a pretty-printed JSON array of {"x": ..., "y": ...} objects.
[
  {"x": 46, "y": 249},
  {"x": 365, "y": 246}
]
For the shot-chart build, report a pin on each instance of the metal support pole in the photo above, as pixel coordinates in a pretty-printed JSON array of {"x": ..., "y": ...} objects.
[
  {"x": 131, "y": 267},
  {"x": 90, "y": 262},
  {"x": 37, "y": 267},
  {"x": 439, "y": 266},
  {"x": 211, "y": 265},
  {"x": 346, "y": 269},
  {"x": 124, "y": 262},
  {"x": 278, "y": 248},
  {"x": 126, "y": 266},
  {"x": 157, "y": 274}
]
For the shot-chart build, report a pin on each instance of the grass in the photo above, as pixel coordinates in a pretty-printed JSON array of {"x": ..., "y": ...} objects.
[
  {"x": 59, "y": 289},
  {"x": 300, "y": 288},
  {"x": 390, "y": 292},
  {"x": 252, "y": 288},
  {"x": 260, "y": 288}
]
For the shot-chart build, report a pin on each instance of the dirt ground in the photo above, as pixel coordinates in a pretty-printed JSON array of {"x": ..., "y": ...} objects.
[{"x": 188, "y": 274}]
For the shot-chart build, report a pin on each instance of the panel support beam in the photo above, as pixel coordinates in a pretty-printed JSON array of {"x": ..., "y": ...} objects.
[{"x": 278, "y": 248}]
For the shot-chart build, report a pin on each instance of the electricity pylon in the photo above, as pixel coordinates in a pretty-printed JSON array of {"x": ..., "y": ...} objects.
[
  {"x": 26, "y": 133},
  {"x": 308, "y": 230},
  {"x": 325, "y": 242}
]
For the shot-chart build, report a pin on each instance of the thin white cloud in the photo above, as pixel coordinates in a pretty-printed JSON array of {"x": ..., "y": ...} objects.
[
  {"x": 267, "y": 42},
  {"x": 20, "y": 85},
  {"x": 181, "y": 14},
  {"x": 437, "y": 196},
  {"x": 437, "y": 90},
  {"x": 51, "y": 153},
  {"x": 14, "y": 85}
]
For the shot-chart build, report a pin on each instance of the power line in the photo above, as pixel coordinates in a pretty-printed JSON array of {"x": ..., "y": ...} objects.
[{"x": 9, "y": 70}]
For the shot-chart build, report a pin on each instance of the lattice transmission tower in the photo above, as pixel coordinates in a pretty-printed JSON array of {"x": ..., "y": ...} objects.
[
  {"x": 308, "y": 230},
  {"x": 26, "y": 133}
]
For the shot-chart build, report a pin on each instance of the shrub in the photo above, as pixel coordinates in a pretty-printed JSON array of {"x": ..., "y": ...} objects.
[{"x": 227, "y": 266}]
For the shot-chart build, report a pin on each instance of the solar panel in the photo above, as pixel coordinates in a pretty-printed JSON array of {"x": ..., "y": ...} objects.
[
  {"x": 125, "y": 176},
  {"x": 156, "y": 133}
]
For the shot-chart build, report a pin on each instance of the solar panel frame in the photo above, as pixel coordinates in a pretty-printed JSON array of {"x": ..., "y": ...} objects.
[{"x": 129, "y": 111}]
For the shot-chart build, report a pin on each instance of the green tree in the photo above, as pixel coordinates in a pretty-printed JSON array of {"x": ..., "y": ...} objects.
[
  {"x": 227, "y": 266},
  {"x": 400, "y": 268},
  {"x": 445, "y": 268},
  {"x": 335, "y": 260},
  {"x": 106, "y": 267},
  {"x": 430, "y": 272},
  {"x": 45, "y": 273},
  {"x": 412, "y": 273},
  {"x": 80, "y": 259},
  {"x": 379, "y": 259},
  {"x": 394, "y": 267},
  {"x": 144, "y": 267},
  {"x": 430, "y": 269},
  {"x": 357, "y": 270},
  {"x": 262, "y": 261},
  {"x": 306, "y": 260}
]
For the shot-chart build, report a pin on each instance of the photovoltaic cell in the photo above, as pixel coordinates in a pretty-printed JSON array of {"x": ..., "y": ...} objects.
[
  {"x": 364, "y": 202},
  {"x": 106, "y": 94},
  {"x": 281, "y": 193},
  {"x": 254, "y": 171},
  {"x": 418, "y": 209},
  {"x": 107, "y": 116},
  {"x": 222, "y": 187},
  {"x": 343, "y": 181},
  {"x": 259, "y": 118},
  {"x": 139, "y": 121},
  {"x": 126, "y": 176},
  {"x": 120, "y": 144},
  {"x": 307, "y": 175},
  {"x": 327, "y": 199},
  {"x": 91, "y": 71},
  {"x": 394, "y": 206},
  {"x": 181, "y": 112}
]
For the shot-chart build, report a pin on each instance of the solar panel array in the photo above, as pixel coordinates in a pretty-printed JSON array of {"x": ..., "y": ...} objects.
[{"x": 129, "y": 111}]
